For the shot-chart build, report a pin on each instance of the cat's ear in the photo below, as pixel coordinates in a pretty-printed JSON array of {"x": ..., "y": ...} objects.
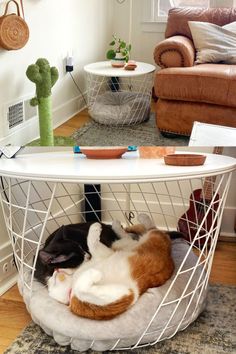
[
  {"x": 50, "y": 258},
  {"x": 46, "y": 257}
]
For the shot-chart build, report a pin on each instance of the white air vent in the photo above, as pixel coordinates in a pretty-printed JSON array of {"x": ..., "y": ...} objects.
[
  {"x": 29, "y": 111},
  {"x": 15, "y": 114}
]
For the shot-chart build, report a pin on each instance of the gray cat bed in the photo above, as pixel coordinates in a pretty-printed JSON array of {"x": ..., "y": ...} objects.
[
  {"x": 120, "y": 108},
  {"x": 127, "y": 329}
]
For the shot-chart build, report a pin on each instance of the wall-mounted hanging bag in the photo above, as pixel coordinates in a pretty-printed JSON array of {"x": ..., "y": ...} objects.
[{"x": 14, "y": 31}]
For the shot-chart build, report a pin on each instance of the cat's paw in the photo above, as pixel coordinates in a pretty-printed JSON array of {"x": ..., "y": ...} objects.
[
  {"x": 146, "y": 221},
  {"x": 86, "y": 280},
  {"x": 94, "y": 235},
  {"x": 96, "y": 229},
  {"x": 118, "y": 229},
  {"x": 116, "y": 226},
  {"x": 94, "y": 275}
]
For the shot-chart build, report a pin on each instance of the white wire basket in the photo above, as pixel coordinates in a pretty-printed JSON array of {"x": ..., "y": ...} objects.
[
  {"x": 33, "y": 209},
  {"x": 118, "y": 97}
]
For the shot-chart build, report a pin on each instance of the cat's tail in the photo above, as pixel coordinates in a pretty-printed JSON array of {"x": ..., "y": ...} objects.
[{"x": 99, "y": 301}]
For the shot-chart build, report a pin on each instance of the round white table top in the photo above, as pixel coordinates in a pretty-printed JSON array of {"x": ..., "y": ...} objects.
[
  {"x": 65, "y": 166},
  {"x": 104, "y": 68}
]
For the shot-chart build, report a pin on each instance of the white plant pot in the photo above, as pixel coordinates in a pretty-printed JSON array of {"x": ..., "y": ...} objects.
[{"x": 119, "y": 61}]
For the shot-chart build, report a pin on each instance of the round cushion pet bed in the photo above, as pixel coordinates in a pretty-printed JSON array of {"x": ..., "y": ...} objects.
[
  {"x": 120, "y": 108},
  {"x": 127, "y": 329}
]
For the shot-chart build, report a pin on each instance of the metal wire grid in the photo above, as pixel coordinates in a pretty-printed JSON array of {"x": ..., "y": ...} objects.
[
  {"x": 122, "y": 101},
  {"x": 33, "y": 210}
]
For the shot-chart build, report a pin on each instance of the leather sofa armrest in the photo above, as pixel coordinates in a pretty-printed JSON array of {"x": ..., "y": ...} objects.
[{"x": 176, "y": 51}]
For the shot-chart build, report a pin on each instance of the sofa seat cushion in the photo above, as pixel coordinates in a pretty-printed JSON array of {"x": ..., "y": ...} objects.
[{"x": 209, "y": 83}]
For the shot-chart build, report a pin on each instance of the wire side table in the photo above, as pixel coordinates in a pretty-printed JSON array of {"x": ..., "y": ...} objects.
[{"x": 117, "y": 96}]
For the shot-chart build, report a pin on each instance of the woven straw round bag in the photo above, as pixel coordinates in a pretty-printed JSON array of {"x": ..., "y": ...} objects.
[{"x": 14, "y": 31}]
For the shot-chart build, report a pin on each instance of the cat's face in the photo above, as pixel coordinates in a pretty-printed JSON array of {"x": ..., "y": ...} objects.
[
  {"x": 60, "y": 284},
  {"x": 63, "y": 255},
  {"x": 62, "y": 251}
]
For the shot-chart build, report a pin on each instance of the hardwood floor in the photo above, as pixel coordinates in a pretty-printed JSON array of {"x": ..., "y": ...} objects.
[
  {"x": 14, "y": 316},
  {"x": 73, "y": 124}
]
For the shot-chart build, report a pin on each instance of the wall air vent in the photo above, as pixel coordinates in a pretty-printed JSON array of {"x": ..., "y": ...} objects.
[{"x": 15, "y": 114}]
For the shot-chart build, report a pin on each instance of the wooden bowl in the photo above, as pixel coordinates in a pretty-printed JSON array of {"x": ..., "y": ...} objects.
[
  {"x": 103, "y": 152},
  {"x": 185, "y": 159}
]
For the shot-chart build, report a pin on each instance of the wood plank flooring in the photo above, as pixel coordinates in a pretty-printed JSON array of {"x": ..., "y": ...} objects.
[
  {"x": 73, "y": 124},
  {"x": 14, "y": 316}
]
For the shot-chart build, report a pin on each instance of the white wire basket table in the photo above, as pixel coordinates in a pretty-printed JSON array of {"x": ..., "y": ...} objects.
[
  {"x": 117, "y": 96},
  {"x": 42, "y": 191}
]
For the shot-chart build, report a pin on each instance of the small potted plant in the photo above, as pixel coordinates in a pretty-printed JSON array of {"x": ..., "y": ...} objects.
[{"x": 119, "y": 52}]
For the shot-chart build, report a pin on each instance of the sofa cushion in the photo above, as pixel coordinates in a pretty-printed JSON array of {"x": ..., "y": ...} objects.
[
  {"x": 214, "y": 44},
  {"x": 209, "y": 83},
  {"x": 178, "y": 117}
]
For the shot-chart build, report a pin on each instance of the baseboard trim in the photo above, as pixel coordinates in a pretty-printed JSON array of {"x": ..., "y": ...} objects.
[
  {"x": 7, "y": 284},
  {"x": 5, "y": 249},
  {"x": 225, "y": 238},
  {"x": 29, "y": 130}
]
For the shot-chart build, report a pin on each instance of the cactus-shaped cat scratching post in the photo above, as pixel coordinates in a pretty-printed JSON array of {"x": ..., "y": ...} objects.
[{"x": 44, "y": 78}]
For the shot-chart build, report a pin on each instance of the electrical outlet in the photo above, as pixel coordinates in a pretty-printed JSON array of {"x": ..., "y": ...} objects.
[
  {"x": 69, "y": 63},
  {"x": 7, "y": 267},
  {"x": 12, "y": 262}
]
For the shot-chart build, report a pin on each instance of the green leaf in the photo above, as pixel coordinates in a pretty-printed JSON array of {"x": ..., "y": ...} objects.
[
  {"x": 112, "y": 43},
  {"x": 122, "y": 44},
  {"x": 111, "y": 54},
  {"x": 129, "y": 47}
]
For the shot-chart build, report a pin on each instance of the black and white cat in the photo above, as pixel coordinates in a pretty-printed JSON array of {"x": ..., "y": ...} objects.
[{"x": 67, "y": 248}]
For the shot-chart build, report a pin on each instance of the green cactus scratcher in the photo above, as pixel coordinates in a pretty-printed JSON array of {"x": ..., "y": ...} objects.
[{"x": 45, "y": 78}]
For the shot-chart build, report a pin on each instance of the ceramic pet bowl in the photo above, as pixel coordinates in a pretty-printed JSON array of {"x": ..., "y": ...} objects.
[{"x": 104, "y": 152}]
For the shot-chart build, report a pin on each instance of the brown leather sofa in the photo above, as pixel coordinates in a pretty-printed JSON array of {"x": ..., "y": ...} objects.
[{"x": 188, "y": 92}]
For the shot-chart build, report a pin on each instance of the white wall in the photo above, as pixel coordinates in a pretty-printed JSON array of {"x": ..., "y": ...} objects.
[{"x": 82, "y": 26}]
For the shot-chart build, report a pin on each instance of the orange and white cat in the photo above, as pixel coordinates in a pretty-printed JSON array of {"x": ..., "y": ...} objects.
[{"x": 112, "y": 280}]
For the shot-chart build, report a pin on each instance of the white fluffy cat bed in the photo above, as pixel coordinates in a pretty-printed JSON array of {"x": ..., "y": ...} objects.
[
  {"x": 120, "y": 108},
  {"x": 141, "y": 324}
]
